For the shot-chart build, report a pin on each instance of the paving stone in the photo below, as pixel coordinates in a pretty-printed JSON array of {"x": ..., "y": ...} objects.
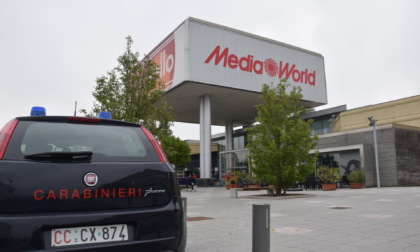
[{"x": 370, "y": 219}]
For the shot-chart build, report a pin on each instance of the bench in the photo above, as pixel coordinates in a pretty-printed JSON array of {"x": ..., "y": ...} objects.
[{"x": 234, "y": 191}]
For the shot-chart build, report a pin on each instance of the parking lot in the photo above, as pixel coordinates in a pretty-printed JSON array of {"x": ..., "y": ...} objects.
[{"x": 372, "y": 219}]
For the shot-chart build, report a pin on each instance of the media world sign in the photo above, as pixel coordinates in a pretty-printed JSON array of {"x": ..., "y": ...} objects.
[{"x": 269, "y": 66}]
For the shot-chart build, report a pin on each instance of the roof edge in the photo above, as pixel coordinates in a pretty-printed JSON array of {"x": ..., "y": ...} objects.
[{"x": 196, "y": 20}]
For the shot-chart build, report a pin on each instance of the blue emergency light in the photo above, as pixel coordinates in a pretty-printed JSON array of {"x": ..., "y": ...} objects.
[
  {"x": 105, "y": 115},
  {"x": 38, "y": 111}
]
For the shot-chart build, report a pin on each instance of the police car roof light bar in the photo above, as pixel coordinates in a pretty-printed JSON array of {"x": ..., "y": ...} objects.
[
  {"x": 38, "y": 111},
  {"x": 105, "y": 115}
]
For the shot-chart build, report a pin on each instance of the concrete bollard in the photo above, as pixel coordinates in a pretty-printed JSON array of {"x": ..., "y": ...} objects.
[{"x": 260, "y": 228}]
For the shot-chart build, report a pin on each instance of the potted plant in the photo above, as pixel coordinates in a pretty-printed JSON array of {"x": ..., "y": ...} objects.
[
  {"x": 230, "y": 181},
  {"x": 356, "y": 179},
  {"x": 253, "y": 181},
  {"x": 240, "y": 177},
  {"x": 328, "y": 177}
]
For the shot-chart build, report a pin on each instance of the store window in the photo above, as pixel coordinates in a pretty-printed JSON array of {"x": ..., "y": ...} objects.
[
  {"x": 320, "y": 127},
  {"x": 221, "y": 144},
  {"x": 239, "y": 142},
  {"x": 328, "y": 159}
]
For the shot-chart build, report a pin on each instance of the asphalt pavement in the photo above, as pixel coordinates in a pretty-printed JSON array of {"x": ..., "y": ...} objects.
[{"x": 369, "y": 219}]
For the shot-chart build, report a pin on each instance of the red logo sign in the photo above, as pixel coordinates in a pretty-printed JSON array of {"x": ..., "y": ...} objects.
[
  {"x": 164, "y": 57},
  {"x": 271, "y": 67},
  {"x": 90, "y": 179},
  {"x": 102, "y": 193}
]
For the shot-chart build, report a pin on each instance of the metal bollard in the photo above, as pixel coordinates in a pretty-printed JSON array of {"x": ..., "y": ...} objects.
[
  {"x": 184, "y": 205},
  {"x": 260, "y": 228}
]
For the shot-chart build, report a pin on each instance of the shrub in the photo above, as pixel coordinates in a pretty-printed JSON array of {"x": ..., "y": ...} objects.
[
  {"x": 327, "y": 175},
  {"x": 356, "y": 176}
]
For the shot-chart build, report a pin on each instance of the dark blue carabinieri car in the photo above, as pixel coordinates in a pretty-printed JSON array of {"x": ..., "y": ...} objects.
[{"x": 86, "y": 184}]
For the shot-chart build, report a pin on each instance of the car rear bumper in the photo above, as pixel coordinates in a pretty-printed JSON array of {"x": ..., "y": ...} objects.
[{"x": 153, "y": 229}]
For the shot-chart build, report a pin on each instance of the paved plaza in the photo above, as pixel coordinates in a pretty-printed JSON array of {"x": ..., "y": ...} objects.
[{"x": 372, "y": 219}]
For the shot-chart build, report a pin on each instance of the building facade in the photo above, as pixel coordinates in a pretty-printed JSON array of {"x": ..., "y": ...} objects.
[
  {"x": 213, "y": 75},
  {"x": 346, "y": 141},
  {"x": 398, "y": 142}
]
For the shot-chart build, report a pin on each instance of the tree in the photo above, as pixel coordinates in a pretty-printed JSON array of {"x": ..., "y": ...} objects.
[
  {"x": 280, "y": 142},
  {"x": 177, "y": 151},
  {"x": 133, "y": 92}
]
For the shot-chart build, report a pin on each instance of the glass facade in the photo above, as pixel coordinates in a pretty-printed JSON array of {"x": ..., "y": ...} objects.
[
  {"x": 328, "y": 159},
  {"x": 346, "y": 161},
  {"x": 239, "y": 142},
  {"x": 225, "y": 162},
  {"x": 221, "y": 144},
  {"x": 235, "y": 160},
  {"x": 321, "y": 126}
]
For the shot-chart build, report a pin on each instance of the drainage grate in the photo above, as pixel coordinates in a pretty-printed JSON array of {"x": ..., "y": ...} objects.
[
  {"x": 198, "y": 218},
  {"x": 340, "y": 207}
]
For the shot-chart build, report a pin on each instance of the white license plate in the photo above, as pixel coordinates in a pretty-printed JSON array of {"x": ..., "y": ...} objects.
[{"x": 85, "y": 235}]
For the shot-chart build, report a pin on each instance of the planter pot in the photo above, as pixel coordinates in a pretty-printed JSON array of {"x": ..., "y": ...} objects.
[
  {"x": 329, "y": 187},
  {"x": 230, "y": 186},
  {"x": 356, "y": 185},
  {"x": 253, "y": 186}
]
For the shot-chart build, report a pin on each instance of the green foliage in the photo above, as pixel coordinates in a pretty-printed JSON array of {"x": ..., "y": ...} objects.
[
  {"x": 133, "y": 92},
  {"x": 356, "y": 176},
  {"x": 177, "y": 151},
  {"x": 279, "y": 144},
  {"x": 253, "y": 180},
  {"x": 328, "y": 175},
  {"x": 240, "y": 175}
]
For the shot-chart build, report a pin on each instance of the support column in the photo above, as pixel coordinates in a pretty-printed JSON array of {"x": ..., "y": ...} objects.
[
  {"x": 229, "y": 144},
  {"x": 229, "y": 135},
  {"x": 205, "y": 136}
]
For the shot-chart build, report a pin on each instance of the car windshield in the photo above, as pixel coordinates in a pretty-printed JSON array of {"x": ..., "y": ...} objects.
[{"x": 106, "y": 142}]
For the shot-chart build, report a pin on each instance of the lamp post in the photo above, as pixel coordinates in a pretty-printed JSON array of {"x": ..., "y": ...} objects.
[{"x": 372, "y": 124}]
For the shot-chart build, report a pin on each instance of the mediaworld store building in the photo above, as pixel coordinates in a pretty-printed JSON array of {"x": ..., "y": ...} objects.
[
  {"x": 346, "y": 140},
  {"x": 213, "y": 75}
]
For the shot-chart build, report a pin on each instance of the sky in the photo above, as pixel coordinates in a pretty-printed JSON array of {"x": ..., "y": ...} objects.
[{"x": 52, "y": 51}]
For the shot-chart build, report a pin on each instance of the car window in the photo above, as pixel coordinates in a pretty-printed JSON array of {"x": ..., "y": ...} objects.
[{"x": 106, "y": 142}]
